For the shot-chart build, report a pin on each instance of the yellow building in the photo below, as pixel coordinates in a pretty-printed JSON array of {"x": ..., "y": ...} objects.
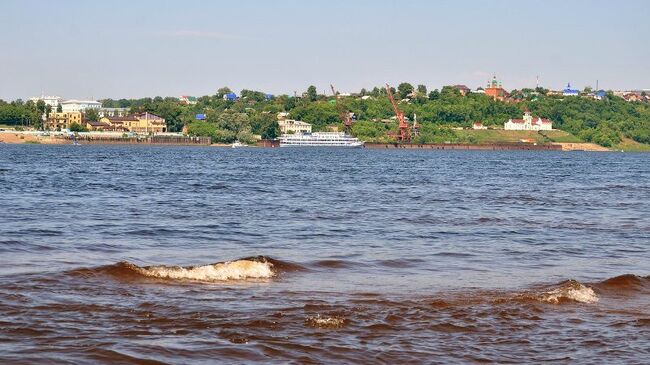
[
  {"x": 144, "y": 123},
  {"x": 58, "y": 121},
  {"x": 97, "y": 126},
  {"x": 294, "y": 126}
]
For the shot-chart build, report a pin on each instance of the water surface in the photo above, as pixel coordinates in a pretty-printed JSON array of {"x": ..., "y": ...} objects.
[{"x": 350, "y": 256}]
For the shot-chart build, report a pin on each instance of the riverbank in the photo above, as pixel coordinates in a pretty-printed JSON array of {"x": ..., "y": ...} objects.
[
  {"x": 30, "y": 137},
  {"x": 466, "y": 146},
  {"x": 33, "y": 137},
  {"x": 27, "y": 138}
]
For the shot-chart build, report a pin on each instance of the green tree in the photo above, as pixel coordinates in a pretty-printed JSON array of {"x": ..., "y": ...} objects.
[
  {"x": 59, "y": 108},
  {"x": 223, "y": 91},
  {"x": 76, "y": 127},
  {"x": 253, "y": 96},
  {"x": 40, "y": 106},
  {"x": 92, "y": 115},
  {"x": 312, "y": 94},
  {"x": 265, "y": 124},
  {"x": 202, "y": 129},
  {"x": 48, "y": 111},
  {"x": 271, "y": 131},
  {"x": 404, "y": 90}
]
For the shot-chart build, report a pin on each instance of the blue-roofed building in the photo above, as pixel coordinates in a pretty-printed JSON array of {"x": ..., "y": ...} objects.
[
  {"x": 200, "y": 117},
  {"x": 600, "y": 94},
  {"x": 230, "y": 97},
  {"x": 268, "y": 96},
  {"x": 568, "y": 91}
]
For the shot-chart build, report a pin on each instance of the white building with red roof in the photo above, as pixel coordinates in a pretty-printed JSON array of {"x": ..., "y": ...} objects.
[{"x": 528, "y": 123}]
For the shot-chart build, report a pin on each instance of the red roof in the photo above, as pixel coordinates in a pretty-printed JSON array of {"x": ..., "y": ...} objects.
[
  {"x": 120, "y": 119},
  {"x": 536, "y": 120}
]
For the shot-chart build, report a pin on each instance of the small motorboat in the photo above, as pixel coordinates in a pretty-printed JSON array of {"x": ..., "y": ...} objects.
[{"x": 238, "y": 144}]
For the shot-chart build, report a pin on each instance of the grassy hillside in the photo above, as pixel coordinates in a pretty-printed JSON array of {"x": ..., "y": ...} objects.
[
  {"x": 503, "y": 136},
  {"x": 629, "y": 145},
  {"x": 561, "y": 137}
]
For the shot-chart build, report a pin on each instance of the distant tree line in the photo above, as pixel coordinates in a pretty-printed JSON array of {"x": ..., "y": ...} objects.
[
  {"x": 254, "y": 113},
  {"x": 20, "y": 114}
]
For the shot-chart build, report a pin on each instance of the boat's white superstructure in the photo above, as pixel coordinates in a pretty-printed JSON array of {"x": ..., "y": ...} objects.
[{"x": 319, "y": 139}]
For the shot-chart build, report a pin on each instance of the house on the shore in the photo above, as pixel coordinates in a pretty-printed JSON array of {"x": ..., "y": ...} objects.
[
  {"x": 63, "y": 120},
  {"x": 79, "y": 105},
  {"x": 528, "y": 123},
  {"x": 139, "y": 123},
  {"x": 97, "y": 126},
  {"x": 113, "y": 112},
  {"x": 52, "y": 101},
  {"x": 294, "y": 126}
]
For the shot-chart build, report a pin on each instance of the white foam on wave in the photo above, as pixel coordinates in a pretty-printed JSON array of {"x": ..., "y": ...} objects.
[
  {"x": 232, "y": 270},
  {"x": 325, "y": 322},
  {"x": 572, "y": 291}
]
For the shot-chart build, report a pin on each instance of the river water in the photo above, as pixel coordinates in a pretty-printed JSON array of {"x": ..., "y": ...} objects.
[{"x": 147, "y": 255}]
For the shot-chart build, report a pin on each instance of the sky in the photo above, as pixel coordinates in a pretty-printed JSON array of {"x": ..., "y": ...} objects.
[{"x": 141, "y": 48}]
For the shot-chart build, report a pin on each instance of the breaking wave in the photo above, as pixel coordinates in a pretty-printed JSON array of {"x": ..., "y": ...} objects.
[
  {"x": 325, "y": 321},
  {"x": 234, "y": 270},
  {"x": 570, "y": 291},
  {"x": 259, "y": 267},
  {"x": 573, "y": 291}
]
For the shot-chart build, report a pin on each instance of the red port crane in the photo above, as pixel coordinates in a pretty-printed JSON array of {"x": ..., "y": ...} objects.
[
  {"x": 404, "y": 135},
  {"x": 344, "y": 114}
]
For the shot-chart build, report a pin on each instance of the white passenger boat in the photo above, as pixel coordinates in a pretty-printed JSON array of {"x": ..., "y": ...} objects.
[{"x": 319, "y": 139}]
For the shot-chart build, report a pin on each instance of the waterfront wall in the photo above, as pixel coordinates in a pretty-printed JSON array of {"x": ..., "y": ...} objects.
[
  {"x": 268, "y": 143},
  {"x": 161, "y": 140}
]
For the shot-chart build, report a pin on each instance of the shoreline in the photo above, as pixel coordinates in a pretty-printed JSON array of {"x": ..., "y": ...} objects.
[
  {"x": 467, "y": 146},
  {"x": 16, "y": 137}
]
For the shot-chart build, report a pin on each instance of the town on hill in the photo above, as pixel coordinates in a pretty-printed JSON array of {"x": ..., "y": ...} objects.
[{"x": 405, "y": 114}]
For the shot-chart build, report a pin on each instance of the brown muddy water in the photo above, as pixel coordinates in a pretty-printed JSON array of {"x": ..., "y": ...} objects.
[{"x": 181, "y": 255}]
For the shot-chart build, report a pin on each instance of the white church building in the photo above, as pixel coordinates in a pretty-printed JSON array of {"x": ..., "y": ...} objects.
[{"x": 528, "y": 123}]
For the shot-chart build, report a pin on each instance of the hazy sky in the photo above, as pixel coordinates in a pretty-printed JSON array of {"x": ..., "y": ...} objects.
[{"x": 100, "y": 49}]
